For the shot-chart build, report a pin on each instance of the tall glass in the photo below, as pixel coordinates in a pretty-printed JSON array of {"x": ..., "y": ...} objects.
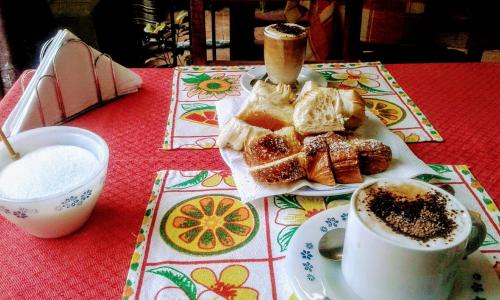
[{"x": 284, "y": 51}]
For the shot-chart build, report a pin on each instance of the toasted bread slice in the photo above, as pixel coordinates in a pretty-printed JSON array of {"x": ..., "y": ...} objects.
[
  {"x": 235, "y": 134},
  {"x": 272, "y": 146},
  {"x": 318, "y": 165},
  {"x": 285, "y": 170}
]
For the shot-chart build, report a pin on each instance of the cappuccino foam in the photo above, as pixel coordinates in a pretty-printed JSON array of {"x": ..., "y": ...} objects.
[
  {"x": 412, "y": 215},
  {"x": 285, "y": 31}
]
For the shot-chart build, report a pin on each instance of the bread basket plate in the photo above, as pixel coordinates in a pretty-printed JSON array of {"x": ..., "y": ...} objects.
[
  {"x": 306, "y": 74},
  {"x": 403, "y": 165},
  {"x": 326, "y": 191}
]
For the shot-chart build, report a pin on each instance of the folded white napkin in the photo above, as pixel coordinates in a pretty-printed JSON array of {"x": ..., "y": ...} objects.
[
  {"x": 71, "y": 78},
  {"x": 404, "y": 163}
]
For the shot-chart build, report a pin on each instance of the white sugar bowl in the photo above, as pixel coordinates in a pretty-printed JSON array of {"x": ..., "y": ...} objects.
[{"x": 51, "y": 191}]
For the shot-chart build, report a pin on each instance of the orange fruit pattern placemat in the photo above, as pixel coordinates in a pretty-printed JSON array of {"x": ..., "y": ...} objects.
[{"x": 198, "y": 241}]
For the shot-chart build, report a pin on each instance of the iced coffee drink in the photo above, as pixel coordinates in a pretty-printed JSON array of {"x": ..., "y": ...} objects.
[{"x": 284, "y": 50}]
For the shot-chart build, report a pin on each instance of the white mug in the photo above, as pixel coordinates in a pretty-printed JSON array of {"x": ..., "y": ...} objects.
[{"x": 377, "y": 267}]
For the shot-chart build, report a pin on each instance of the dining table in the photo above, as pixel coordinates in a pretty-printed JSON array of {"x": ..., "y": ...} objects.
[{"x": 461, "y": 100}]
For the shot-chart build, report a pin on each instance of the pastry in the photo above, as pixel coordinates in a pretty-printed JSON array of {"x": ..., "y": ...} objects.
[
  {"x": 285, "y": 170},
  {"x": 272, "y": 146},
  {"x": 352, "y": 109},
  {"x": 320, "y": 109},
  {"x": 315, "y": 112},
  {"x": 317, "y": 160},
  {"x": 269, "y": 106},
  {"x": 344, "y": 158},
  {"x": 286, "y": 140},
  {"x": 308, "y": 85},
  {"x": 236, "y": 133},
  {"x": 374, "y": 156}
]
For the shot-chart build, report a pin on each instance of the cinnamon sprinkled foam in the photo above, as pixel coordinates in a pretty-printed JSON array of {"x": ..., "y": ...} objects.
[
  {"x": 400, "y": 213},
  {"x": 285, "y": 31}
]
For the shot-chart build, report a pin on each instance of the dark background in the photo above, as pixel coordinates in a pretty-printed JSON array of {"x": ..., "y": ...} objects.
[{"x": 116, "y": 27}]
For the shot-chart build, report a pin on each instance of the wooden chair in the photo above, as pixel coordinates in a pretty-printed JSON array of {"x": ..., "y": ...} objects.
[
  {"x": 242, "y": 15},
  {"x": 415, "y": 31}
]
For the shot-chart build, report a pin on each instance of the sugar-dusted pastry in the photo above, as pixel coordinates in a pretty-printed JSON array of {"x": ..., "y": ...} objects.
[
  {"x": 374, "y": 156},
  {"x": 269, "y": 106},
  {"x": 317, "y": 160},
  {"x": 285, "y": 170},
  {"x": 272, "y": 146},
  {"x": 236, "y": 133},
  {"x": 345, "y": 162}
]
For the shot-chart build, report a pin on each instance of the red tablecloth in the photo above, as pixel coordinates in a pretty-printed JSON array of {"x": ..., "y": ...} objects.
[{"x": 462, "y": 101}]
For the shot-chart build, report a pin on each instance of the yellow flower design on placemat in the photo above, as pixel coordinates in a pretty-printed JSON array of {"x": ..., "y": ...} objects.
[
  {"x": 411, "y": 138},
  {"x": 209, "y": 224},
  {"x": 295, "y": 210},
  {"x": 308, "y": 207},
  {"x": 229, "y": 285},
  {"x": 201, "y": 143},
  {"x": 216, "y": 86},
  {"x": 386, "y": 111},
  {"x": 362, "y": 82},
  {"x": 217, "y": 178},
  {"x": 353, "y": 78}
]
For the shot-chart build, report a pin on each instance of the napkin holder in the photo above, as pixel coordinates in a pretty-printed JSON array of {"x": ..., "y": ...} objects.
[{"x": 72, "y": 79}]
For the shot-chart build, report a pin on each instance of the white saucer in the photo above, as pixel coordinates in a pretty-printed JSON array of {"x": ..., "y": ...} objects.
[
  {"x": 306, "y": 74},
  {"x": 314, "y": 277}
]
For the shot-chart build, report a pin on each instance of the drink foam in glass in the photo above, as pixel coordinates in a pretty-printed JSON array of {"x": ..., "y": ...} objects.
[{"x": 284, "y": 51}]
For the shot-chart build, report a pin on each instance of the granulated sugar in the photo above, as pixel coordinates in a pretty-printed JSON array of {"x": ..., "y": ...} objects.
[{"x": 47, "y": 171}]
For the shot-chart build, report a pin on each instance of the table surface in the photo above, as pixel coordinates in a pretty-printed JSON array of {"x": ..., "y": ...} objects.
[{"x": 462, "y": 101}]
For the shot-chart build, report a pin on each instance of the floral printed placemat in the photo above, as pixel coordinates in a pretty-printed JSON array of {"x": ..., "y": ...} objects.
[
  {"x": 198, "y": 241},
  {"x": 192, "y": 120}
]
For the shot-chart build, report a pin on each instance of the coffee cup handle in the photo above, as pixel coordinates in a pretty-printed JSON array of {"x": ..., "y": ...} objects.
[{"x": 477, "y": 234}]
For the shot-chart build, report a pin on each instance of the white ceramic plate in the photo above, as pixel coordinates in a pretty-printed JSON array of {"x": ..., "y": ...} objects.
[
  {"x": 404, "y": 164},
  {"x": 306, "y": 74},
  {"x": 314, "y": 277},
  {"x": 328, "y": 191}
]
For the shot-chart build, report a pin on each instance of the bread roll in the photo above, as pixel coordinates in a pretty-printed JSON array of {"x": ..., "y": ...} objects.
[
  {"x": 321, "y": 109},
  {"x": 235, "y": 134},
  {"x": 317, "y": 160},
  {"x": 308, "y": 85},
  {"x": 374, "y": 156},
  {"x": 269, "y": 106},
  {"x": 353, "y": 109},
  {"x": 315, "y": 112},
  {"x": 285, "y": 170},
  {"x": 272, "y": 146}
]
